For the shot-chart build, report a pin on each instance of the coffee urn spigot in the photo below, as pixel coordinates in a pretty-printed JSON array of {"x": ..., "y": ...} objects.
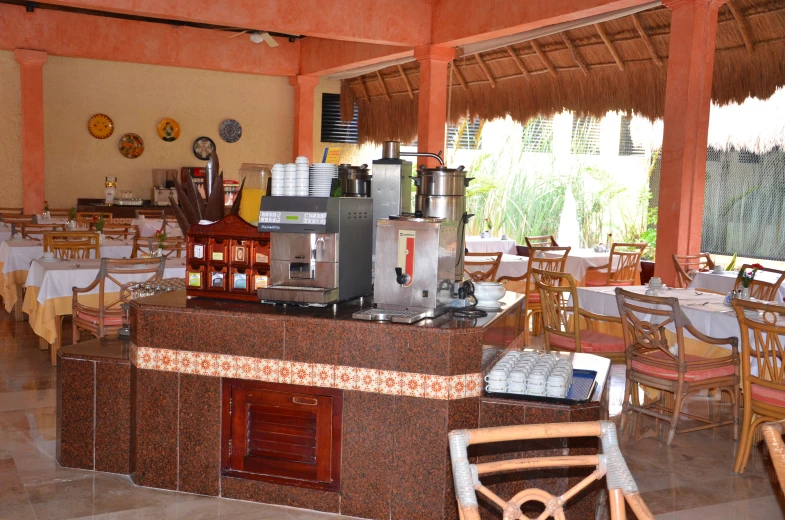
[{"x": 401, "y": 277}]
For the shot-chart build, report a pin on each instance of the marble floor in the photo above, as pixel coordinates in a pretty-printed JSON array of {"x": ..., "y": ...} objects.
[{"x": 692, "y": 479}]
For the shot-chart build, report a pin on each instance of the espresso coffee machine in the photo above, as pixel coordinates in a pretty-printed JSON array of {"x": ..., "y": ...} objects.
[
  {"x": 415, "y": 269},
  {"x": 320, "y": 248}
]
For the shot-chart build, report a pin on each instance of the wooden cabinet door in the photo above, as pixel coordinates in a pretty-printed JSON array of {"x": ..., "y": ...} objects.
[{"x": 278, "y": 433}]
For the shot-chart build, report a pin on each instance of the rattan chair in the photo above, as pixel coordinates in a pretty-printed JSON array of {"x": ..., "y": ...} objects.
[
  {"x": 485, "y": 273},
  {"x": 37, "y": 230},
  {"x": 113, "y": 277},
  {"x": 18, "y": 219},
  {"x": 772, "y": 434},
  {"x": 541, "y": 241},
  {"x": 564, "y": 319},
  {"x": 150, "y": 213},
  {"x": 610, "y": 464},
  {"x": 169, "y": 248},
  {"x": 72, "y": 245},
  {"x": 545, "y": 258},
  {"x": 760, "y": 289},
  {"x": 85, "y": 217},
  {"x": 60, "y": 212},
  {"x": 687, "y": 265},
  {"x": 653, "y": 362},
  {"x": 763, "y": 383},
  {"x": 622, "y": 268},
  {"x": 117, "y": 231}
]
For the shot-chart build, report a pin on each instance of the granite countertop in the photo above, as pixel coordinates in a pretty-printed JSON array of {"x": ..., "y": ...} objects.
[
  {"x": 177, "y": 300},
  {"x": 113, "y": 350}
]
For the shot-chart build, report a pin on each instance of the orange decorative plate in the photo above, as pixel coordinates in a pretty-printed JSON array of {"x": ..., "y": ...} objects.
[
  {"x": 100, "y": 126},
  {"x": 168, "y": 129},
  {"x": 131, "y": 146}
]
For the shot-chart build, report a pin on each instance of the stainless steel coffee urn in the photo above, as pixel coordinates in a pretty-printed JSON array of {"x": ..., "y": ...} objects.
[{"x": 355, "y": 180}]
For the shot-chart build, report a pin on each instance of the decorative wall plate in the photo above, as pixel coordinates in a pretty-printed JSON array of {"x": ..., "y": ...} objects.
[
  {"x": 203, "y": 146},
  {"x": 230, "y": 131},
  {"x": 168, "y": 129},
  {"x": 100, "y": 126},
  {"x": 131, "y": 146}
]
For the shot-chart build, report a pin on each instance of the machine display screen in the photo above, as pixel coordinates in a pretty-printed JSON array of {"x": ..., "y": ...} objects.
[{"x": 292, "y": 217}]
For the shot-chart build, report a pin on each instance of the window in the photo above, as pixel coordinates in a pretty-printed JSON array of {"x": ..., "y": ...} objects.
[
  {"x": 626, "y": 145},
  {"x": 333, "y": 130},
  {"x": 465, "y": 136},
  {"x": 538, "y": 135},
  {"x": 585, "y": 136}
]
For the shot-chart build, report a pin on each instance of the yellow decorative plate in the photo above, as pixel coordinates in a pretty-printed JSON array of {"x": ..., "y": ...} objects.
[
  {"x": 168, "y": 129},
  {"x": 131, "y": 146},
  {"x": 100, "y": 126}
]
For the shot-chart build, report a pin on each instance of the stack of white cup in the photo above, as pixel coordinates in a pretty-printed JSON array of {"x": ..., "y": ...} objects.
[
  {"x": 301, "y": 176},
  {"x": 530, "y": 372},
  {"x": 277, "y": 185},
  {"x": 290, "y": 180}
]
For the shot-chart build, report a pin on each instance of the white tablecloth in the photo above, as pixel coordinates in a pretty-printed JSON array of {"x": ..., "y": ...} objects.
[
  {"x": 57, "y": 279},
  {"x": 150, "y": 226},
  {"x": 5, "y": 232},
  {"x": 511, "y": 265},
  {"x": 580, "y": 260},
  {"x": 16, "y": 255},
  {"x": 724, "y": 282},
  {"x": 476, "y": 244}
]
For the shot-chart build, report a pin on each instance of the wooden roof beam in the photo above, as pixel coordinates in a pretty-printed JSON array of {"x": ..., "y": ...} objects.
[
  {"x": 544, "y": 57},
  {"x": 609, "y": 44},
  {"x": 406, "y": 81},
  {"x": 486, "y": 70},
  {"x": 384, "y": 85},
  {"x": 646, "y": 40},
  {"x": 459, "y": 75},
  {"x": 518, "y": 61},
  {"x": 574, "y": 53},
  {"x": 744, "y": 28},
  {"x": 364, "y": 88}
]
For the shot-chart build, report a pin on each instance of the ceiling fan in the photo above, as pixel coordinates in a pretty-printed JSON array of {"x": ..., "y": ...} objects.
[{"x": 258, "y": 37}]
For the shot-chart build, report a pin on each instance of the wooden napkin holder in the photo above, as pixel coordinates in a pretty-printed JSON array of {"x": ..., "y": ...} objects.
[{"x": 228, "y": 259}]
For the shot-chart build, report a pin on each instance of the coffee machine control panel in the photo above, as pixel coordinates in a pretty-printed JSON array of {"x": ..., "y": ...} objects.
[{"x": 292, "y": 217}]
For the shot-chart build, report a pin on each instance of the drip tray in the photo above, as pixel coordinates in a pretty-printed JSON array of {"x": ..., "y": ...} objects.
[
  {"x": 292, "y": 294},
  {"x": 395, "y": 316}
]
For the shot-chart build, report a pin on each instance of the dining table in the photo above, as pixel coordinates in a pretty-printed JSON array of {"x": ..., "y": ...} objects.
[
  {"x": 49, "y": 290},
  {"x": 477, "y": 244},
  {"x": 725, "y": 281},
  {"x": 580, "y": 260},
  {"x": 512, "y": 266},
  {"x": 16, "y": 255}
]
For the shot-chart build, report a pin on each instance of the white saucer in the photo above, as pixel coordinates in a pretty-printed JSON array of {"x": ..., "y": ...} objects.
[{"x": 498, "y": 307}]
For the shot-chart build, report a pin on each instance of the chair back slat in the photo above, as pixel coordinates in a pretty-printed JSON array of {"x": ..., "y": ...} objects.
[
  {"x": 72, "y": 245},
  {"x": 540, "y": 241},
  {"x": 168, "y": 248},
  {"x": 765, "y": 290},
  {"x": 85, "y": 217},
  {"x": 761, "y": 343},
  {"x": 486, "y": 273},
  {"x": 687, "y": 265},
  {"x": 150, "y": 213},
  {"x": 117, "y": 231},
  {"x": 19, "y": 219},
  {"x": 559, "y": 298},
  {"x": 38, "y": 230},
  {"x": 624, "y": 263},
  {"x": 544, "y": 258}
]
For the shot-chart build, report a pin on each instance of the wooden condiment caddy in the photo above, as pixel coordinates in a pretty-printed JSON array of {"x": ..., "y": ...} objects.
[{"x": 227, "y": 259}]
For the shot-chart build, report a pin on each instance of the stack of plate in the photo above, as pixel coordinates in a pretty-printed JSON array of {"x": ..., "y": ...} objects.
[
  {"x": 277, "y": 186},
  {"x": 322, "y": 175},
  {"x": 302, "y": 173}
]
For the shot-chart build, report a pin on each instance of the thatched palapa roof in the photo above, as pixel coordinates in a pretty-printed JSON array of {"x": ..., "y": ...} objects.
[{"x": 619, "y": 64}]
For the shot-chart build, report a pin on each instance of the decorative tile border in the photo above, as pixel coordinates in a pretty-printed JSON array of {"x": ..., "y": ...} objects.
[{"x": 309, "y": 374}]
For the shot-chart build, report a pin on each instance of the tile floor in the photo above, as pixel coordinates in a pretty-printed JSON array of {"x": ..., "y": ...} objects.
[{"x": 692, "y": 479}]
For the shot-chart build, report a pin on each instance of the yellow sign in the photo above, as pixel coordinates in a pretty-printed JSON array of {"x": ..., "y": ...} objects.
[{"x": 332, "y": 156}]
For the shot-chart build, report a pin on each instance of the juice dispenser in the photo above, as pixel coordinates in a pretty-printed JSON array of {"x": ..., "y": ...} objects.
[{"x": 256, "y": 176}]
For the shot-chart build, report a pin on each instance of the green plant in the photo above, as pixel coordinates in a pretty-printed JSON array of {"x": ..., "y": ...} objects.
[
  {"x": 595, "y": 193},
  {"x": 732, "y": 264},
  {"x": 72, "y": 213}
]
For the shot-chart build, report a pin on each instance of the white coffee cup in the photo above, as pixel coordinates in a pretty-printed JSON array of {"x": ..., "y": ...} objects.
[
  {"x": 516, "y": 377},
  {"x": 48, "y": 255},
  {"x": 496, "y": 376},
  {"x": 719, "y": 269},
  {"x": 501, "y": 387},
  {"x": 655, "y": 282},
  {"x": 516, "y": 387}
]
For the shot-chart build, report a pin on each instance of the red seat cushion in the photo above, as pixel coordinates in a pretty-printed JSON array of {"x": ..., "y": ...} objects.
[
  {"x": 591, "y": 341},
  {"x": 768, "y": 395},
  {"x": 534, "y": 298},
  {"x": 673, "y": 375},
  {"x": 93, "y": 318}
]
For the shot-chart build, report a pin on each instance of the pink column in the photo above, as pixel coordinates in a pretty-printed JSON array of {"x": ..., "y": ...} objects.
[
  {"x": 686, "y": 129},
  {"x": 303, "y": 114},
  {"x": 432, "y": 116},
  {"x": 32, "y": 86}
]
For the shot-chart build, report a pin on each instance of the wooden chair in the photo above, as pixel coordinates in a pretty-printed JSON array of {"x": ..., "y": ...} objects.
[
  {"x": 72, "y": 245},
  {"x": 18, "y": 219},
  {"x": 485, "y": 274},
  {"x": 610, "y": 463},
  {"x": 85, "y": 217},
  {"x": 113, "y": 277},
  {"x": 540, "y": 241},
  {"x": 654, "y": 363},
  {"x": 172, "y": 247},
  {"x": 117, "y": 231},
  {"x": 760, "y": 289},
  {"x": 37, "y": 230},
  {"x": 545, "y": 258},
  {"x": 687, "y": 265},
  {"x": 8, "y": 211},
  {"x": 150, "y": 213},
  {"x": 622, "y": 268},
  {"x": 60, "y": 212},
  {"x": 563, "y": 319},
  {"x": 772, "y": 434},
  {"x": 762, "y": 370}
]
